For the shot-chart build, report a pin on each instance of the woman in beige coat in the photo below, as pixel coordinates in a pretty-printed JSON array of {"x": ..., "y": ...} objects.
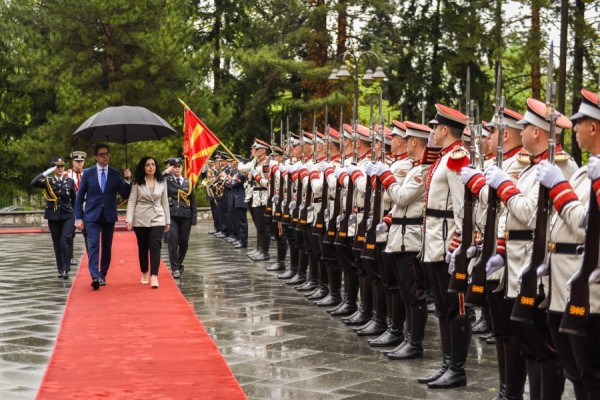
[{"x": 148, "y": 215}]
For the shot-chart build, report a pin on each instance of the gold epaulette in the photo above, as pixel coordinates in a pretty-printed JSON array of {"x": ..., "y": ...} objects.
[
  {"x": 523, "y": 157},
  {"x": 562, "y": 156},
  {"x": 458, "y": 153}
]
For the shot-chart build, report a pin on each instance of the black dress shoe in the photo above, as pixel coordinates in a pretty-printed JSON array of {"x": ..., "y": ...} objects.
[
  {"x": 276, "y": 266},
  {"x": 287, "y": 274},
  {"x": 96, "y": 283},
  {"x": 481, "y": 326},
  {"x": 320, "y": 293},
  {"x": 102, "y": 281},
  {"x": 335, "y": 308},
  {"x": 307, "y": 287},
  {"x": 391, "y": 337},
  {"x": 374, "y": 329},
  {"x": 176, "y": 274},
  {"x": 451, "y": 379},
  {"x": 363, "y": 326},
  {"x": 397, "y": 348},
  {"x": 491, "y": 340},
  {"x": 261, "y": 257},
  {"x": 296, "y": 280},
  {"x": 431, "y": 307},
  {"x": 239, "y": 245},
  {"x": 409, "y": 352},
  {"x": 486, "y": 336},
  {"x": 329, "y": 301},
  {"x": 345, "y": 309},
  {"x": 73, "y": 261},
  {"x": 65, "y": 274},
  {"x": 360, "y": 318}
]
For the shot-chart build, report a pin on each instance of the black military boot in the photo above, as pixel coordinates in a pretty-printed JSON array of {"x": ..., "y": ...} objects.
[
  {"x": 445, "y": 337},
  {"x": 394, "y": 335},
  {"x": 313, "y": 281},
  {"x": 535, "y": 378},
  {"x": 264, "y": 243},
  {"x": 414, "y": 348},
  {"x": 365, "y": 310},
  {"x": 379, "y": 320},
  {"x": 282, "y": 246},
  {"x": 293, "y": 264},
  {"x": 348, "y": 307},
  {"x": 501, "y": 368},
  {"x": 481, "y": 325},
  {"x": 322, "y": 289},
  {"x": 515, "y": 372},
  {"x": 300, "y": 276},
  {"x": 553, "y": 379},
  {"x": 455, "y": 376},
  {"x": 334, "y": 275}
]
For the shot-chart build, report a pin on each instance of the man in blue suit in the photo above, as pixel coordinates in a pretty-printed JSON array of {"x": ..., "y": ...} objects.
[{"x": 96, "y": 207}]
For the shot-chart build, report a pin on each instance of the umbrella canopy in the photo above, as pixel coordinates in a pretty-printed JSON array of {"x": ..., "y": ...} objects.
[{"x": 124, "y": 124}]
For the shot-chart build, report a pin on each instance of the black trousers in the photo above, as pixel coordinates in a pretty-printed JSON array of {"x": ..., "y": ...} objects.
[
  {"x": 410, "y": 276},
  {"x": 214, "y": 210},
  {"x": 447, "y": 305},
  {"x": 241, "y": 222},
  {"x": 149, "y": 242},
  {"x": 178, "y": 241},
  {"x": 62, "y": 240},
  {"x": 222, "y": 204},
  {"x": 586, "y": 350}
]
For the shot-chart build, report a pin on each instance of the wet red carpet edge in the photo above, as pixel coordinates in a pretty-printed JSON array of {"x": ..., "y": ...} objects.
[{"x": 128, "y": 341}]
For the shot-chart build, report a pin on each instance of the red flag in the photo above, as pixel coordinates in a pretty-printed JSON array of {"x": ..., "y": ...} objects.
[{"x": 198, "y": 145}]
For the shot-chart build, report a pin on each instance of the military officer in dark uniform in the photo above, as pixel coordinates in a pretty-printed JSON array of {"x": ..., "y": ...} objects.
[
  {"x": 59, "y": 192},
  {"x": 239, "y": 209},
  {"x": 182, "y": 207}
]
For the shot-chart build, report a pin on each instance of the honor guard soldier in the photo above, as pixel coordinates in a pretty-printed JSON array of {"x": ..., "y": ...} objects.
[
  {"x": 239, "y": 208},
  {"x": 511, "y": 364},
  {"x": 578, "y": 354},
  {"x": 59, "y": 192},
  {"x": 276, "y": 225},
  {"x": 358, "y": 281},
  {"x": 260, "y": 197},
  {"x": 542, "y": 362},
  {"x": 442, "y": 236},
  {"x": 328, "y": 253},
  {"x": 406, "y": 190},
  {"x": 219, "y": 195},
  {"x": 182, "y": 207},
  {"x": 78, "y": 160},
  {"x": 400, "y": 164}
]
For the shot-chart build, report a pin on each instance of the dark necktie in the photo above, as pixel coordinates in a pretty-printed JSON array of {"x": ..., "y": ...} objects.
[{"x": 102, "y": 180}]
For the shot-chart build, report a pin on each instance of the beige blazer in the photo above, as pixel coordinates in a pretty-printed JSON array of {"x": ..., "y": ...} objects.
[{"x": 146, "y": 209}]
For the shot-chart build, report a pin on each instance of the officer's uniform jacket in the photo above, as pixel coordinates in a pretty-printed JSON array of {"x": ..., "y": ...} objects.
[
  {"x": 400, "y": 167},
  {"x": 316, "y": 182},
  {"x": 60, "y": 196},
  {"x": 304, "y": 176},
  {"x": 521, "y": 204},
  {"x": 408, "y": 199},
  {"x": 359, "y": 178},
  {"x": 444, "y": 201},
  {"x": 76, "y": 177},
  {"x": 180, "y": 203},
  {"x": 245, "y": 168},
  {"x": 260, "y": 190},
  {"x": 329, "y": 174},
  {"x": 567, "y": 227}
]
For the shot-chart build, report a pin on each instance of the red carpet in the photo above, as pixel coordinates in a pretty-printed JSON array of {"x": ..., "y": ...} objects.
[{"x": 127, "y": 341}]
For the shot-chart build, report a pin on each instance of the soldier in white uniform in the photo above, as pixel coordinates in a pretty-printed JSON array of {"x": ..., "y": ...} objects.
[
  {"x": 511, "y": 364},
  {"x": 399, "y": 164},
  {"x": 276, "y": 226},
  {"x": 567, "y": 238},
  {"x": 260, "y": 197},
  {"x": 407, "y": 193},
  {"x": 543, "y": 365},
  {"x": 443, "y": 222}
]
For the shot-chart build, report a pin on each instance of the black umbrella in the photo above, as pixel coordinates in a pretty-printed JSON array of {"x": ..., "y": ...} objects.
[{"x": 125, "y": 124}]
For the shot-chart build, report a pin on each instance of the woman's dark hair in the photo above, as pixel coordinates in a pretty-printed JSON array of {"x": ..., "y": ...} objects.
[{"x": 140, "y": 172}]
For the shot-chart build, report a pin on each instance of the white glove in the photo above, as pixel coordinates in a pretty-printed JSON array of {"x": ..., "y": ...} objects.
[
  {"x": 542, "y": 270},
  {"x": 382, "y": 169},
  {"x": 297, "y": 165},
  {"x": 339, "y": 171},
  {"x": 338, "y": 220},
  {"x": 309, "y": 165},
  {"x": 275, "y": 199},
  {"x": 449, "y": 256},
  {"x": 292, "y": 168},
  {"x": 594, "y": 168},
  {"x": 430, "y": 140},
  {"x": 471, "y": 251},
  {"x": 548, "y": 175},
  {"x": 595, "y": 276},
  {"x": 326, "y": 214},
  {"x": 273, "y": 163},
  {"x": 466, "y": 173},
  {"x": 371, "y": 167},
  {"x": 283, "y": 168},
  {"x": 351, "y": 168},
  {"x": 49, "y": 171},
  {"x": 494, "y": 264},
  {"x": 325, "y": 165},
  {"x": 254, "y": 172},
  {"x": 452, "y": 263},
  {"x": 369, "y": 222},
  {"x": 352, "y": 218},
  {"x": 522, "y": 273},
  {"x": 495, "y": 176},
  {"x": 292, "y": 205},
  {"x": 381, "y": 228}
]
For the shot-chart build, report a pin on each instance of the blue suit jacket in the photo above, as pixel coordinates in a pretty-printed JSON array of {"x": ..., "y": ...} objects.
[{"x": 96, "y": 202}]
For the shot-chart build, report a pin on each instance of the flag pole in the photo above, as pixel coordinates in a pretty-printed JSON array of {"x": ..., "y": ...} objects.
[{"x": 220, "y": 142}]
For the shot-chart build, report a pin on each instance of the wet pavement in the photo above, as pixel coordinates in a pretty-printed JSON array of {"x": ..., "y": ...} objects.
[{"x": 278, "y": 345}]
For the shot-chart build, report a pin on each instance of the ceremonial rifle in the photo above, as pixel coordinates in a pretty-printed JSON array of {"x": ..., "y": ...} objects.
[
  {"x": 574, "y": 320},
  {"x": 368, "y": 251},
  {"x": 307, "y": 205},
  {"x": 269, "y": 208},
  {"x": 319, "y": 226},
  {"x": 299, "y": 185},
  {"x": 286, "y": 219},
  {"x": 458, "y": 280},
  {"x": 526, "y": 303},
  {"x": 342, "y": 233},
  {"x": 475, "y": 295},
  {"x": 361, "y": 229},
  {"x": 279, "y": 196},
  {"x": 337, "y": 203}
]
